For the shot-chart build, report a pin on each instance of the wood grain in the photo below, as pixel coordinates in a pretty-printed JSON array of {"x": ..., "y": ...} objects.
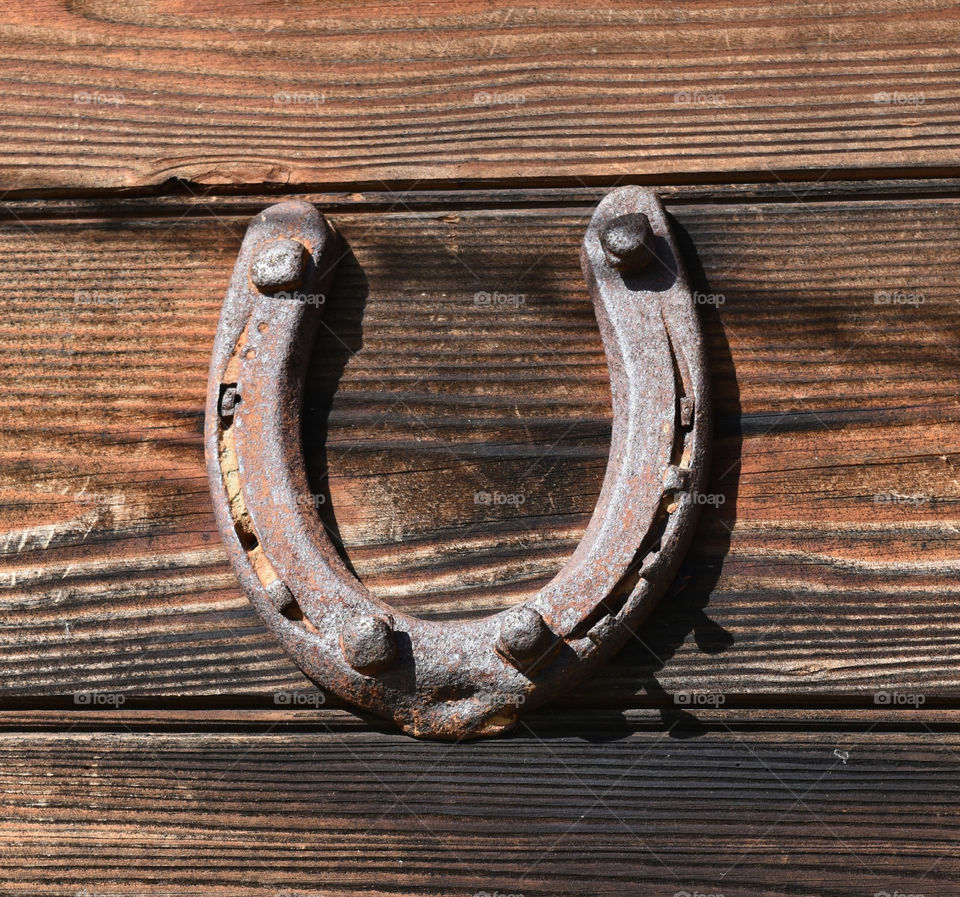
[
  {"x": 114, "y": 94},
  {"x": 727, "y": 812},
  {"x": 826, "y": 572}
]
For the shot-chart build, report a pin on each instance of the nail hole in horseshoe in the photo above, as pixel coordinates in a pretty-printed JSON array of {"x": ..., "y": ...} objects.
[{"x": 246, "y": 535}]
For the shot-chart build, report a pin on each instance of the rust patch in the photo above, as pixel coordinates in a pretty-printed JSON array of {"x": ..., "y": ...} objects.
[{"x": 458, "y": 680}]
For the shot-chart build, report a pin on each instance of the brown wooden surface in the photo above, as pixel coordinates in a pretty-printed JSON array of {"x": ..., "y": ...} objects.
[
  {"x": 784, "y": 725},
  {"x": 827, "y": 573},
  {"x": 648, "y": 811},
  {"x": 111, "y": 93}
]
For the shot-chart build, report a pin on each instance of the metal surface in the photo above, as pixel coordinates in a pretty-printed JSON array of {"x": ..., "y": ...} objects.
[{"x": 449, "y": 679}]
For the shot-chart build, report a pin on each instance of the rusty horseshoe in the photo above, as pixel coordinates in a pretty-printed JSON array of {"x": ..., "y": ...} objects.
[{"x": 458, "y": 679}]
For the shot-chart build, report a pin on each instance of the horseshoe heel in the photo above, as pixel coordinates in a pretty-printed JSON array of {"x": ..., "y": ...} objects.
[{"x": 449, "y": 679}]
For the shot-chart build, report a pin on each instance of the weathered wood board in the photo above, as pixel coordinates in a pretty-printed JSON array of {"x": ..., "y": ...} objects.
[
  {"x": 469, "y": 364},
  {"x": 732, "y": 811},
  {"x": 118, "y": 94}
]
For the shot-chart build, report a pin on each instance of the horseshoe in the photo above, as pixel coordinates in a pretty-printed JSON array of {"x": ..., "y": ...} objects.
[{"x": 457, "y": 679}]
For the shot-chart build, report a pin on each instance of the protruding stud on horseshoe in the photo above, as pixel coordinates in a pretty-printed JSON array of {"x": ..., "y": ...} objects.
[{"x": 450, "y": 679}]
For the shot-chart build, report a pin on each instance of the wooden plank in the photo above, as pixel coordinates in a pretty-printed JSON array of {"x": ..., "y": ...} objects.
[
  {"x": 107, "y": 94},
  {"x": 826, "y": 572},
  {"x": 728, "y": 812}
]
